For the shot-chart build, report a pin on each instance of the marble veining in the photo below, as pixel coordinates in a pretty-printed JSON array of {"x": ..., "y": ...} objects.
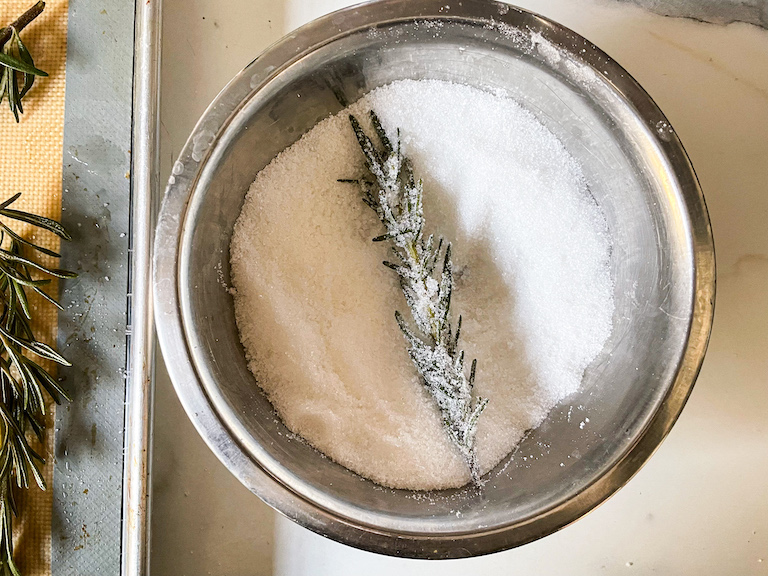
[{"x": 712, "y": 11}]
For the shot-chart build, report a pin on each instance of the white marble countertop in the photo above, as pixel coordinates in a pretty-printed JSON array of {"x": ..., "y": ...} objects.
[{"x": 700, "y": 505}]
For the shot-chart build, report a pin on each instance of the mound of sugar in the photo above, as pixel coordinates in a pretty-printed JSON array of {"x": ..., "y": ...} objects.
[{"x": 315, "y": 306}]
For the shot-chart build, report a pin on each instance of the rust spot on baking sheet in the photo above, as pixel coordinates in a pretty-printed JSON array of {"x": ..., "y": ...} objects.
[{"x": 83, "y": 538}]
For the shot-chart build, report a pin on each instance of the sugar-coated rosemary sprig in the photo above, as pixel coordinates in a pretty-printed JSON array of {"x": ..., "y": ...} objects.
[
  {"x": 17, "y": 68},
  {"x": 396, "y": 197},
  {"x": 22, "y": 379}
]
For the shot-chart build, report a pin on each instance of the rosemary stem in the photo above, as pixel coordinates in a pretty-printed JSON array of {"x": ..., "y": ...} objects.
[
  {"x": 396, "y": 197},
  {"x": 414, "y": 254},
  {"x": 21, "y": 22}
]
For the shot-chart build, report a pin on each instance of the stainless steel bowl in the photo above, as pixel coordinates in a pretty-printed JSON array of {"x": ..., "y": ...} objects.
[{"x": 662, "y": 265}]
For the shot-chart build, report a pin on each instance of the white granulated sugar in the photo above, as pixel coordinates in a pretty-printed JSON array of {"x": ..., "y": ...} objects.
[
  {"x": 553, "y": 55},
  {"x": 315, "y": 306}
]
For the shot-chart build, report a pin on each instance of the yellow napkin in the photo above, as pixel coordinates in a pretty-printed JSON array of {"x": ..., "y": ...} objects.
[{"x": 31, "y": 163}]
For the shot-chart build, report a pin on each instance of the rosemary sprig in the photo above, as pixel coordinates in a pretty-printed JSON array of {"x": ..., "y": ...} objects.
[
  {"x": 396, "y": 197},
  {"x": 22, "y": 379},
  {"x": 17, "y": 68}
]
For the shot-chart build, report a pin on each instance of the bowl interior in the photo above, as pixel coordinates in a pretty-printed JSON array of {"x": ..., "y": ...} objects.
[{"x": 628, "y": 175}]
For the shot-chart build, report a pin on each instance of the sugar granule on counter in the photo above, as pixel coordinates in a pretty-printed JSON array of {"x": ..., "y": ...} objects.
[{"x": 315, "y": 306}]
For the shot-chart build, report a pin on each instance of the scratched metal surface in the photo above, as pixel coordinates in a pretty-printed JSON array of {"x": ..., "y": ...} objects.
[{"x": 89, "y": 431}]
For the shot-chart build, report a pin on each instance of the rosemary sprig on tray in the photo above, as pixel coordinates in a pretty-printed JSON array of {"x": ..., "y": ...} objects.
[
  {"x": 17, "y": 68},
  {"x": 22, "y": 379},
  {"x": 396, "y": 197}
]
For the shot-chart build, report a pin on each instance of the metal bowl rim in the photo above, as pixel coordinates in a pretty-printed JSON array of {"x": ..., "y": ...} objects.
[{"x": 270, "y": 489}]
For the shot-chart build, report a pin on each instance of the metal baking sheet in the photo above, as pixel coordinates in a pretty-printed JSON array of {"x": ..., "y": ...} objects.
[
  {"x": 88, "y": 459},
  {"x": 102, "y": 437},
  {"x": 140, "y": 333}
]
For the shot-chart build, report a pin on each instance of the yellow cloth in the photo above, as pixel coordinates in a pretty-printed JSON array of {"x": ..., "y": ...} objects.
[{"x": 31, "y": 163}]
